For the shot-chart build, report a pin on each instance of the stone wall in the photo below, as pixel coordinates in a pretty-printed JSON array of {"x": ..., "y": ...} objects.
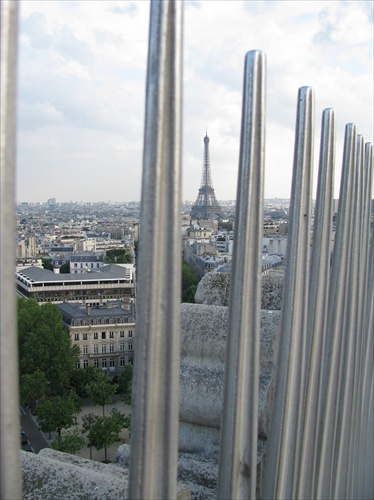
[
  {"x": 203, "y": 346},
  {"x": 214, "y": 289}
]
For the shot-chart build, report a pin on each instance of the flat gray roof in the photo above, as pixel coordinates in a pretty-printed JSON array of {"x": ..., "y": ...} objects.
[{"x": 39, "y": 275}]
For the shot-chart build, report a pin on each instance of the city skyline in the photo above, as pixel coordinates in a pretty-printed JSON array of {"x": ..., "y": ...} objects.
[{"x": 82, "y": 70}]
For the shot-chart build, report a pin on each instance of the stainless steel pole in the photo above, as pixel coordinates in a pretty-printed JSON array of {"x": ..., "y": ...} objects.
[
  {"x": 154, "y": 439},
  {"x": 10, "y": 478},
  {"x": 238, "y": 452}
]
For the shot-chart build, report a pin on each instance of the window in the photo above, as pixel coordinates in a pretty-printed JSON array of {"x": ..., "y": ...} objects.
[
  {"x": 111, "y": 335},
  {"x": 103, "y": 348},
  {"x": 111, "y": 348},
  {"x": 103, "y": 363},
  {"x": 130, "y": 346},
  {"x": 85, "y": 336},
  {"x": 103, "y": 335},
  {"x": 122, "y": 346},
  {"x": 130, "y": 333},
  {"x": 78, "y": 365},
  {"x": 122, "y": 361},
  {"x": 96, "y": 348},
  {"x": 96, "y": 335},
  {"x": 122, "y": 333},
  {"x": 96, "y": 363},
  {"x": 85, "y": 349},
  {"x": 76, "y": 336},
  {"x": 85, "y": 363},
  {"x": 111, "y": 362}
]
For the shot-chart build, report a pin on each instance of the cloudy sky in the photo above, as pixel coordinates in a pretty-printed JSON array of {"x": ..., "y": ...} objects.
[{"x": 82, "y": 70}]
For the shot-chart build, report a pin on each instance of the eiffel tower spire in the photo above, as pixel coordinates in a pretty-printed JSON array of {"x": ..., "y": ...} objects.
[{"x": 206, "y": 206}]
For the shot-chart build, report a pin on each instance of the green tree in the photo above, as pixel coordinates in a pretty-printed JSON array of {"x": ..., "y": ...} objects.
[
  {"x": 88, "y": 422},
  {"x": 65, "y": 268},
  {"x": 101, "y": 391},
  {"x": 104, "y": 432},
  {"x": 118, "y": 256},
  {"x": 32, "y": 388},
  {"x": 125, "y": 383},
  {"x": 47, "y": 264},
  {"x": 79, "y": 379},
  {"x": 45, "y": 345},
  {"x": 77, "y": 404},
  {"x": 189, "y": 283},
  {"x": 70, "y": 442},
  {"x": 56, "y": 413},
  {"x": 119, "y": 420}
]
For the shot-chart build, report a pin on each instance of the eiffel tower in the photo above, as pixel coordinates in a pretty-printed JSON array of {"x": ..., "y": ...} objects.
[{"x": 206, "y": 206}]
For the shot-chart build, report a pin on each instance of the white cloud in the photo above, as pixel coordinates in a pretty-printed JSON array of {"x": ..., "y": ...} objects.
[{"x": 82, "y": 89}]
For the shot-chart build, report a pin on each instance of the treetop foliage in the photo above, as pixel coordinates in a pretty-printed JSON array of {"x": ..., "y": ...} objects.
[
  {"x": 118, "y": 256},
  {"x": 44, "y": 345},
  {"x": 101, "y": 390},
  {"x": 189, "y": 283}
]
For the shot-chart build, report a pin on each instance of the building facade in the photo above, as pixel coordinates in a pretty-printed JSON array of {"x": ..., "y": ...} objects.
[
  {"x": 104, "y": 334},
  {"x": 110, "y": 282},
  {"x": 83, "y": 262}
]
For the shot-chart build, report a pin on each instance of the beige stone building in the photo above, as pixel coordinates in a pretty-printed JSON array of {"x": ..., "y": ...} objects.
[{"x": 104, "y": 334}]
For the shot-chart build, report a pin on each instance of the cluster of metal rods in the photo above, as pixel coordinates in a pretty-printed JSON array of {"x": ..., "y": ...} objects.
[
  {"x": 320, "y": 442},
  {"x": 323, "y": 403}
]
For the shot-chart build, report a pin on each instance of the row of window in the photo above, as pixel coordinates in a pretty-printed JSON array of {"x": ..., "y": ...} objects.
[
  {"x": 103, "y": 321},
  {"x": 86, "y": 264},
  {"x": 103, "y": 335},
  {"x": 104, "y": 363},
  {"x": 122, "y": 347}
]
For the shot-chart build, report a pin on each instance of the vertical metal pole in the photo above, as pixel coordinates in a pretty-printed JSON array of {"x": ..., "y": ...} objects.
[
  {"x": 238, "y": 453},
  {"x": 335, "y": 347},
  {"x": 154, "y": 439},
  {"x": 363, "y": 481},
  {"x": 319, "y": 285},
  {"x": 352, "y": 332},
  {"x": 353, "y": 454},
  {"x": 282, "y": 453},
  {"x": 10, "y": 478}
]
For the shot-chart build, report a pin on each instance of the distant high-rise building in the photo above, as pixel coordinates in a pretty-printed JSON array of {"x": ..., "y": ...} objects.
[{"x": 206, "y": 206}]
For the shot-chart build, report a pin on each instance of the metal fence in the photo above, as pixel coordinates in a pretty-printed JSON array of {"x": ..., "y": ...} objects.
[{"x": 320, "y": 441}]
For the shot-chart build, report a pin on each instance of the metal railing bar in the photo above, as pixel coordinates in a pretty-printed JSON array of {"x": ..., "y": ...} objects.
[
  {"x": 336, "y": 317},
  {"x": 282, "y": 454},
  {"x": 365, "y": 483},
  {"x": 353, "y": 453},
  {"x": 154, "y": 439},
  {"x": 319, "y": 286},
  {"x": 238, "y": 451},
  {"x": 10, "y": 484},
  {"x": 353, "y": 333}
]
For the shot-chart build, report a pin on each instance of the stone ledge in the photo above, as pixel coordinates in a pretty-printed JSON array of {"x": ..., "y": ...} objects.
[{"x": 55, "y": 475}]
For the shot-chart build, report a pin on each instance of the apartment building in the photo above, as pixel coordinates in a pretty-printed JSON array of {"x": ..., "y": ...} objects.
[
  {"x": 103, "y": 333},
  {"x": 83, "y": 262}
]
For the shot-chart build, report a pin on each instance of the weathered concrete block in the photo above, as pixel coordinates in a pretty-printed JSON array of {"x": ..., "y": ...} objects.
[
  {"x": 214, "y": 289},
  {"x": 52, "y": 474},
  {"x": 203, "y": 348},
  {"x": 55, "y": 475}
]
